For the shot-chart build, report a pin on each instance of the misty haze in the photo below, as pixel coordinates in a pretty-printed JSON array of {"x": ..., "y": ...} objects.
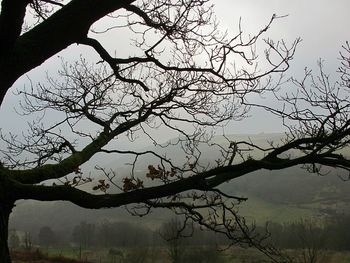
[{"x": 180, "y": 131}]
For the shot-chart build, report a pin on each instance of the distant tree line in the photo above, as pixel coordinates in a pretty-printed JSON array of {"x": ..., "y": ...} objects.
[
  {"x": 332, "y": 234},
  {"x": 307, "y": 240},
  {"x": 109, "y": 234}
]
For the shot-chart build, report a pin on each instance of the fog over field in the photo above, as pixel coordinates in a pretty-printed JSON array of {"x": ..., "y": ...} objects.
[
  {"x": 320, "y": 24},
  {"x": 281, "y": 198}
]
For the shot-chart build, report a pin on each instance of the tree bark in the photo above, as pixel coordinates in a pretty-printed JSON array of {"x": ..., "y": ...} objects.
[
  {"x": 5, "y": 210},
  {"x": 63, "y": 28}
]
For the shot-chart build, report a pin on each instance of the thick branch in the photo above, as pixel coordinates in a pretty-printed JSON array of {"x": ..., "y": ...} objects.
[
  {"x": 87, "y": 200},
  {"x": 11, "y": 20},
  {"x": 71, "y": 163},
  {"x": 65, "y": 167},
  {"x": 202, "y": 181},
  {"x": 65, "y": 27},
  {"x": 146, "y": 18},
  {"x": 53, "y": 3}
]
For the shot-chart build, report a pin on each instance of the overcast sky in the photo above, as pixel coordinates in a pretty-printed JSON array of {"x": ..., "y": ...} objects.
[{"x": 322, "y": 24}]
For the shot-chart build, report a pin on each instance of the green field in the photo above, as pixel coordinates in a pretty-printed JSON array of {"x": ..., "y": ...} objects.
[{"x": 261, "y": 211}]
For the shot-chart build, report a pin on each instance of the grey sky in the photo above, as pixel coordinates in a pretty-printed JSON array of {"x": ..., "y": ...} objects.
[{"x": 322, "y": 24}]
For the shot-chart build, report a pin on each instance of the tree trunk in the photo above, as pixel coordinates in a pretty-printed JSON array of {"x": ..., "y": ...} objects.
[{"x": 5, "y": 210}]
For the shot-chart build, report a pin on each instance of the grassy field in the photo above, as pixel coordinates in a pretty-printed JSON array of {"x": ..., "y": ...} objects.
[
  {"x": 261, "y": 212},
  {"x": 71, "y": 252},
  {"x": 39, "y": 256},
  {"x": 159, "y": 255}
]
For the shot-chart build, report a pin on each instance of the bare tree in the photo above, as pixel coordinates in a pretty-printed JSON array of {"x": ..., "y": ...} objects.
[
  {"x": 183, "y": 75},
  {"x": 14, "y": 241},
  {"x": 84, "y": 234},
  {"x": 312, "y": 240},
  {"x": 172, "y": 232},
  {"x": 28, "y": 241},
  {"x": 46, "y": 236}
]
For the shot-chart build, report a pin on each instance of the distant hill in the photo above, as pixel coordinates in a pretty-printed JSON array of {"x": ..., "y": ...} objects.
[{"x": 284, "y": 195}]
